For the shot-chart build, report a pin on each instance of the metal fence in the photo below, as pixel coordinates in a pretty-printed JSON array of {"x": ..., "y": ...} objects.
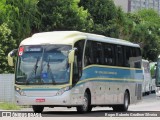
[{"x": 6, "y": 87}]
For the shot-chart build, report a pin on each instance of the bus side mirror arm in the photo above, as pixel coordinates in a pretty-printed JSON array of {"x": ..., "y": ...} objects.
[{"x": 10, "y": 57}]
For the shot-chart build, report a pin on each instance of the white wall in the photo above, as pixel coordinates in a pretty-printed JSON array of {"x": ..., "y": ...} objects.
[{"x": 6, "y": 87}]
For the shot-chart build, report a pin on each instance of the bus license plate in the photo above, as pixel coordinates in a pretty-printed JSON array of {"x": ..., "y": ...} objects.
[{"x": 40, "y": 100}]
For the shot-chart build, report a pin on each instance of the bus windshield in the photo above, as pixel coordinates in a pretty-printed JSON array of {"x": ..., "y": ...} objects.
[{"x": 43, "y": 64}]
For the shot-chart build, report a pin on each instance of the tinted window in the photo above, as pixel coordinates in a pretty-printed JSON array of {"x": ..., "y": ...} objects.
[
  {"x": 98, "y": 53},
  {"x": 109, "y": 54},
  {"x": 78, "y": 58},
  {"x": 119, "y": 52},
  {"x": 88, "y": 57}
]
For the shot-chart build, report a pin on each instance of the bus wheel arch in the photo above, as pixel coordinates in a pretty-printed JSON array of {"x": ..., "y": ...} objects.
[{"x": 126, "y": 102}]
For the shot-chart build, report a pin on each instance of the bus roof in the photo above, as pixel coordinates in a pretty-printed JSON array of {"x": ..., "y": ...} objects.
[{"x": 69, "y": 38}]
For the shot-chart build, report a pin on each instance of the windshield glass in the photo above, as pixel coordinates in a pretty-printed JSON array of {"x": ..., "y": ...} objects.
[{"x": 46, "y": 64}]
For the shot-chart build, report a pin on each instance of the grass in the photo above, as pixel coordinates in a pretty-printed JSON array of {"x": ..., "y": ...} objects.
[{"x": 9, "y": 106}]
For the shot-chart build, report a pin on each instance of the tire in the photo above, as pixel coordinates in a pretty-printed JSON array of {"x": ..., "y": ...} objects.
[
  {"x": 89, "y": 109},
  {"x": 86, "y": 107},
  {"x": 124, "y": 106},
  {"x": 147, "y": 93},
  {"x": 37, "y": 109}
]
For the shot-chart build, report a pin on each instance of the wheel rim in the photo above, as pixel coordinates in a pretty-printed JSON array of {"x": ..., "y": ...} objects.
[
  {"x": 126, "y": 101},
  {"x": 85, "y": 103}
]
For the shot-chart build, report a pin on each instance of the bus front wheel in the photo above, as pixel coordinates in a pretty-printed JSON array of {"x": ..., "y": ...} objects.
[
  {"x": 86, "y": 107},
  {"x": 37, "y": 108}
]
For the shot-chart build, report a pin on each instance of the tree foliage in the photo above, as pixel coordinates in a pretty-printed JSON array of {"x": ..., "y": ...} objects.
[
  {"x": 23, "y": 18},
  {"x": 63, "y": 15},
  {"x": 146, "y": 33},
  {"x": 18, "y": 19},
  {"x": 7, "y": 43},
  {"x": 100, "y": 11}
]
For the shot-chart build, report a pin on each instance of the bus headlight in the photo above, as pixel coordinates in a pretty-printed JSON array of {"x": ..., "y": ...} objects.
[
  {"x": 61, "y": 91},
  {"x": 20, "y": 91}
]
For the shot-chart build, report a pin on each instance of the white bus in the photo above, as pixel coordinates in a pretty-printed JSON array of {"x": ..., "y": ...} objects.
[
  {"x": 147, "y": 82},
  {"x": 77, "y": 69},
  {"x": 158, "y": 77},
  {"x": 153, "y": 75}
]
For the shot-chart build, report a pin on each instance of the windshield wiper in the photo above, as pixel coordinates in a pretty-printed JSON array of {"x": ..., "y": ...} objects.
[
  {"x": 36, "y": 66},
  {"x": 50, "y": 71},
  {"x": 34, "y": 70}
]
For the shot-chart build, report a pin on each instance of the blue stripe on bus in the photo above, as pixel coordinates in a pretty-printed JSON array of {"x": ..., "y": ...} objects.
[
  {"x": 116, "y": 81},
  {"x": 105, "y": 72},
  {"x": 111, "y": 74}
]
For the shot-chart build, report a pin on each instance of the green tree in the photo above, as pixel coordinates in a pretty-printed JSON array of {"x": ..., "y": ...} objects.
[
  {"x": 23, "y": 18},
  {"x": 7, "y": 43},
  {"x": 146, "y": 33},
  {"x": 2, "y": 11},
  {"x": 105, "y": 15},
  {"x": 63, "y": 15},
  {"x": 150, "y": 16}
]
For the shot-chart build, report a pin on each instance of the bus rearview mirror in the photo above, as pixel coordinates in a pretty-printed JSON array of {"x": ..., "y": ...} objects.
[
  {"x": 10, "y": 57},
  {"x": 71, "y": 56}
]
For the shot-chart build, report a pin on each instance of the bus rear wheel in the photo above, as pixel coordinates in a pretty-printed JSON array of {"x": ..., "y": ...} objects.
[
  {"x": 124, "y": 106},
  {"x": 86, "y": 107},
  {"x": 37, "y": 108}
]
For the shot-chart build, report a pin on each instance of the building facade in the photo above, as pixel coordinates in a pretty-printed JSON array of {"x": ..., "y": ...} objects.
[
  {"x": 122, "y": 3},
  {"x": 134, "y": 5}
]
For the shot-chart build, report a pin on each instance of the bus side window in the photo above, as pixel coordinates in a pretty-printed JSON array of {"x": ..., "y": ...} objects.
[
  {"x": 127, "y": 56},
  {"x": 88, "y": 58},
  {"x": 119, "y": 55},
  {"x": 133, "y": 52},
  {"x": 108, "y": 54},
  {"x": 138, "y": 54},
  {"x": 135, "y": 57},
  {"x": 99, "y": 53},
  {"x": 78, "y": 57}
]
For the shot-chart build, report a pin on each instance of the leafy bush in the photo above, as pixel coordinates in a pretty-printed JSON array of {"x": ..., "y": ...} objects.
[{"x": 7, "y": 43}]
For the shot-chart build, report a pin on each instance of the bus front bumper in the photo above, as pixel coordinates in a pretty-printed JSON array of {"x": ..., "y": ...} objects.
[{"x": 60, "y": 100}]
